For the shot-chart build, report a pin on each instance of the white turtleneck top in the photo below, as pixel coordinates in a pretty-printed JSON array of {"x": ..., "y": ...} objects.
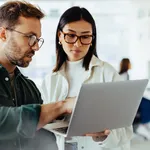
[{"x": 76, "y": 75}]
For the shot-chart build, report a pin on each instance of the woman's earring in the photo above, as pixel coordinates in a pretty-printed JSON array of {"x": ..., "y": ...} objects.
[
  {"x": 59, "y": 43},
  {"x": 91, "y": 44}
]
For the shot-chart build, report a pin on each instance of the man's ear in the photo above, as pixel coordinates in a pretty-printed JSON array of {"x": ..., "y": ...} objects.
[{"x": 2, "y": 33}]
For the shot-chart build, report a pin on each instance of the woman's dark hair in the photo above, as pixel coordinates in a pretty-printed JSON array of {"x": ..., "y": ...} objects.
[
  {"x": 71, "y": 15},
  {"x": 124, "y": 67}
]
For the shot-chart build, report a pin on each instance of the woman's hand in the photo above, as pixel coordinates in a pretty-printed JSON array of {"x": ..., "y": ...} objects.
[{"x": 99, "y": 136}]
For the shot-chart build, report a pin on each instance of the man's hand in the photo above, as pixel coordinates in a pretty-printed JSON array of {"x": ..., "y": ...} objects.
[
  {"x": 51, "y": 111},
  {"x": 99, "y": 136},
  {"x": 68, "y": 105}
]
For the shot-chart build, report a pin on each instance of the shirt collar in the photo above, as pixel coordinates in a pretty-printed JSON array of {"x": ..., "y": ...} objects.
[
  {"x": 94, "y": 62},
  {"x": 16, "y": 71}
]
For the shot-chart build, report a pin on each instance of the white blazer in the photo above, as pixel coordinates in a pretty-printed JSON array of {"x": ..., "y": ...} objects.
[{"x": 55, "y": 88}]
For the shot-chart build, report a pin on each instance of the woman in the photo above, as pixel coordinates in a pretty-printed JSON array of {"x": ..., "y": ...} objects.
[
  {"x": 141, "y": 122},
  {"x": 125, "y": 65},
  {"x": 77, "y": 63}
]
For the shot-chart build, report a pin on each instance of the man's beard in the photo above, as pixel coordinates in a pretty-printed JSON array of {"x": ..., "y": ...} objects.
[
  {"x": 19, "y": 63},
  {"x": 12, "y": 51}
]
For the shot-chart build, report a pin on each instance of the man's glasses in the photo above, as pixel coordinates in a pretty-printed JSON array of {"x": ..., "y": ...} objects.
[
  {"x": 72, "y": 38},
  {"x": 32, "y": 38}
]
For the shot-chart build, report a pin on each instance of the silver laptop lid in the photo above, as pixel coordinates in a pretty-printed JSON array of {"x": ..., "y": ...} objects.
[{"x": 106, "y": 105}]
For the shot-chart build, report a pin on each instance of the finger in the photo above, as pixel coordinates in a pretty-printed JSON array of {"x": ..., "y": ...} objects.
[
  {"x": 69, "y": 111},
  {"x": 95, "y": 134},
  {"x": 103, "y": 133},
  {"x": 106, "y": 132}
]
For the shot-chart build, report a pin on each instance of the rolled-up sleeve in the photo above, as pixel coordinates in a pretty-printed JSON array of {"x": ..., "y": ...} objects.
[
  {"x": 19, "y": 121},
  {"x": 118, "y": 137}
]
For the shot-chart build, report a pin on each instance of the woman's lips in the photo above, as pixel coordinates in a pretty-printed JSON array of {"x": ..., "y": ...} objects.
[{"x": 76, "y": 51}]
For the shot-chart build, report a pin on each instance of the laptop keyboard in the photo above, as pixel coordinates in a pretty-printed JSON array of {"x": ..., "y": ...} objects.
[{"x": 62, "y": 130}]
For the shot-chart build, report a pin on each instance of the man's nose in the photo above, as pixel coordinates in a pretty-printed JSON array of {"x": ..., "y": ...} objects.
[{"x": 36, "y": 47}]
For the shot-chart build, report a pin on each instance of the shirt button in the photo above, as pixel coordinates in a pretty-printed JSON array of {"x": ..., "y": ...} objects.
[
  {"x": 6, "y": 79},
  {"x": 82, "y": 147}
]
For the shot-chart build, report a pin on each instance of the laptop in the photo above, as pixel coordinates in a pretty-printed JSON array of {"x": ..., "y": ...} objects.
[{"x": 102, "y": 106}]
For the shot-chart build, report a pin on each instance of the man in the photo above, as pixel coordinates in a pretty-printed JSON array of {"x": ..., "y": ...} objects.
[{"x": 20, "y": 111}]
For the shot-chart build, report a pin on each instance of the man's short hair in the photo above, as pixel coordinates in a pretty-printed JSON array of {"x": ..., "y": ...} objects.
[{"x": 12, "y": 10}]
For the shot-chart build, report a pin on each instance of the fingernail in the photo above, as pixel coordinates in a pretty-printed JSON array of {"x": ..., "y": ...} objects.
[{"x": 107, "y": 132}]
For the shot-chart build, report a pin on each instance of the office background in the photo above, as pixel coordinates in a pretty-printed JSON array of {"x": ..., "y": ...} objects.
[{"x": 123, "y": 30}]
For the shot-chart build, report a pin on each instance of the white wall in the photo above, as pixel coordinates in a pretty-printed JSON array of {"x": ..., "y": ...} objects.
[
  {"x": 123, "y": 30},
  {"x": 113, "y": 29},
  {"x": 140, "y": 38}
]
